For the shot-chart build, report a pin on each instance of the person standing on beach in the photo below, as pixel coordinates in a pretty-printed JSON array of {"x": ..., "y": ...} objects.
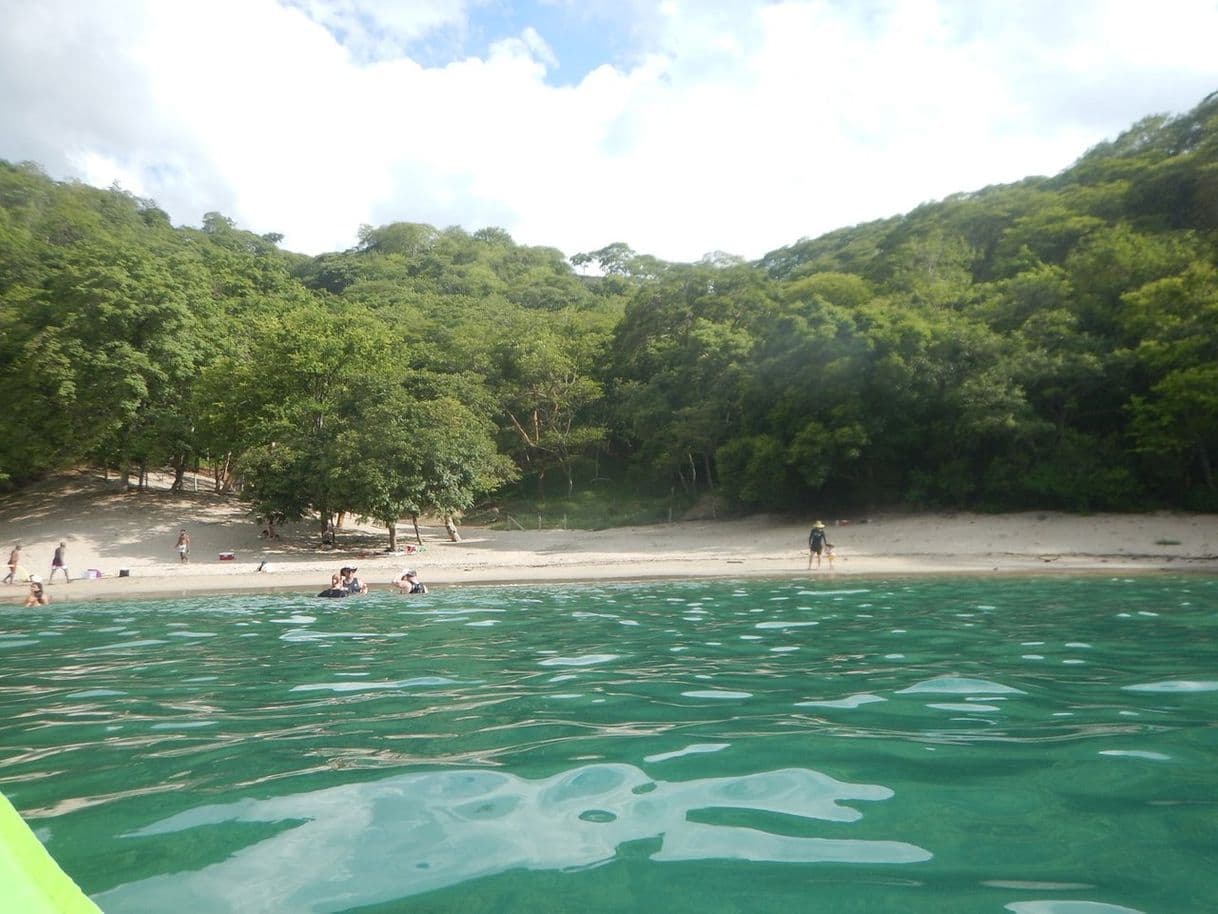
[
  {"x": 60, "y": 563},
  {"x": 817, "y": 543},
  {"x": 14, "y": 559},
  {"x": 183, "y": 546}
]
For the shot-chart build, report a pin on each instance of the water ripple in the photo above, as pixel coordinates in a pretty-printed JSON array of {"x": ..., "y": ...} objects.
[
  {"x": 448, "y": 827},
  {"x": 934, "y": 737}
]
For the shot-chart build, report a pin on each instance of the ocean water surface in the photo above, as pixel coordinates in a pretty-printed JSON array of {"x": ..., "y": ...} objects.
[{"x": 1037, "y": 746}]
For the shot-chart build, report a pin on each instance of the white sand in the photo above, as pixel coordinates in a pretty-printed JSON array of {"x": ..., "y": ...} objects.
[{"x": 109, "y": 530}]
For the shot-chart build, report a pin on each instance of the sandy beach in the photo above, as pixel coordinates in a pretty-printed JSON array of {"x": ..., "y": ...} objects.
[{"x": 109, "y": 530}]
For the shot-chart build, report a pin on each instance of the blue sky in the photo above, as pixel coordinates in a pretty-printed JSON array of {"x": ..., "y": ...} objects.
[
  {"x": 580, "y": 36},
  {"x": 680, "y": 127}
]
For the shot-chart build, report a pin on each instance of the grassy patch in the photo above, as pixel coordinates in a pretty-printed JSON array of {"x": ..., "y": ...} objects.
[{"x": 593, "y": 507}]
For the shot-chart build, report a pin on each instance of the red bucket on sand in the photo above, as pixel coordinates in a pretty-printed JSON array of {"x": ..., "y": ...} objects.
[{"x": 227, "y": 556}]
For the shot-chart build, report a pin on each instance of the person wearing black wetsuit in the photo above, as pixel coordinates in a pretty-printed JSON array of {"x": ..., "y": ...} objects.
[{"x": 817, "y": 542}]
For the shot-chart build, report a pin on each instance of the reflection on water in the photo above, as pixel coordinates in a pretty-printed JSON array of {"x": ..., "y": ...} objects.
[
  {"x": 1042, "y": 747},
  {"x": 443, "y": 828}
]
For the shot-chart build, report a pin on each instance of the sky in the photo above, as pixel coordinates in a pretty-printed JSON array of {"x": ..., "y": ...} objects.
[{"x": 680, "y": 127}]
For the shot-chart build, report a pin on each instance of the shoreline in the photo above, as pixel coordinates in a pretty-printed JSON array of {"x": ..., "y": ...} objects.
[
  {"x": 108, "y": 529},
  {"x": 307, "y": 577}
]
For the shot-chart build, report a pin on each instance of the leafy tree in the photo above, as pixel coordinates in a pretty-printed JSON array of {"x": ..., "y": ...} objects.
[
  {"x": 613, "y": 259},
  {"x": 546, "y": 390},
  {"x": 401, "y": 456},
  {"x": 296, "y": 375},
  {"x": 681, "y": 355},
  {"x": 1047, "y": 342},
  {"x": 1176, "y": 421}
]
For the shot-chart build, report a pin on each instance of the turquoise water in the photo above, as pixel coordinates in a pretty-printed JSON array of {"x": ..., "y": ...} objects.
[{"x": 949, "y": 745}]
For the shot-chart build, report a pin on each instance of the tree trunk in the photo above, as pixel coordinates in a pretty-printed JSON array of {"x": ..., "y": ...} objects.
[
  {"x": 224, "y": 475},
  {"x": 393, "y": 534},
  {"x": 179, "y": 473},
  {"x": 1207, "y": 470},
  {"x": 710, "y": 481},
  {"x": 453, "y": 535},
  {"x": 681, "y": 478},
  {"x": 414, "y": 520}
]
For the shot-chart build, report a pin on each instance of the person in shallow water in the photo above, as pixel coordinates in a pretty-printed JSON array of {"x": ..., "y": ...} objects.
[
  {"x": 335, "y": 589},
  {"x": 408, "y": 582},
  {"x": 351, "y": 582},
  {"x": 38, "y": 596}
]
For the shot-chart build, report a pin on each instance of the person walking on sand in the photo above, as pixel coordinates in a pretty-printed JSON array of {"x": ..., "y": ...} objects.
[
  {"x": 183, "y": 546},
  {"x": 14, "y": 559},
  {"x": 817, "y": 543},
  {"x": 60, "y": 563}
]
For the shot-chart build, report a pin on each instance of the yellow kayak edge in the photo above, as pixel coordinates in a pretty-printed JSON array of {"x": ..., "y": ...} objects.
[{"x": 33, "y": 882}]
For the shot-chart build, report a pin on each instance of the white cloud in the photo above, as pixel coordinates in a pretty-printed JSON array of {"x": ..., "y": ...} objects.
[
  {"x": 379, "y": 29},
  {"x": 738, "y": 126}
]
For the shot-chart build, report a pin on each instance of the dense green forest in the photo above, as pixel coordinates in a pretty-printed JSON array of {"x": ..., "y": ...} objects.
[{"x": 1046, "y": 344}]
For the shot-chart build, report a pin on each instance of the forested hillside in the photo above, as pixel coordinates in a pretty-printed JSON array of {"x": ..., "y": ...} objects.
[{"x": 1052, "y": 343}]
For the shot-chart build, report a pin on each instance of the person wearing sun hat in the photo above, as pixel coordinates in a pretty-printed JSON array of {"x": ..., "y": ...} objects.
[
  {"x": 817, "y": 543},
  {"x": 408, "y": 582}
]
